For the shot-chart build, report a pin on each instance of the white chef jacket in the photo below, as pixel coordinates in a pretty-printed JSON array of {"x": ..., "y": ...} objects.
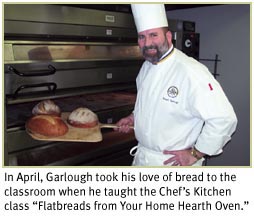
[{"x": 179, "y": 104}]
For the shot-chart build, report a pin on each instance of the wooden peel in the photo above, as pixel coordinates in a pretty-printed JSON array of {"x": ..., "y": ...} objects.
[
  {"x": 111, "y": 125},
  {"x": 75, "y": 134}
]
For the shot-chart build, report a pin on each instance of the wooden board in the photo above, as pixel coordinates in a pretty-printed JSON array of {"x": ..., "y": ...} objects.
[{"x": 73, "y": 134}]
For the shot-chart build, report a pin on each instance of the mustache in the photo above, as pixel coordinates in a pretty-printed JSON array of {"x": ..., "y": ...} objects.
[{"x": 145, "y": 48}]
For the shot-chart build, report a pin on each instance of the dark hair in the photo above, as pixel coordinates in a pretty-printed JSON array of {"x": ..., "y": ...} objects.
[{"x": 165, "y": 29}]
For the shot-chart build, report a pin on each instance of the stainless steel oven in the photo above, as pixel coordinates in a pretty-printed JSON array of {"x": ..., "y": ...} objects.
[
  {"x": 185, "y": 37},
  {"x": 76, "y": 57}
]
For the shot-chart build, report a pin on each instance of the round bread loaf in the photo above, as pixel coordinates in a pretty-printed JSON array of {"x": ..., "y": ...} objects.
[
  {"x": 46, "y": 107},
  {"x": 82, "y": 118},
  {"x": 47, "y": 125}
]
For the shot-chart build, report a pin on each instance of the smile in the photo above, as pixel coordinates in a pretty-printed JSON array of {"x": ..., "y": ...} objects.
[{"x": 151, "y": 51}]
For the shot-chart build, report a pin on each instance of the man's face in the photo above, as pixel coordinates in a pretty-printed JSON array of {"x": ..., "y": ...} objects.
[{"x": 154, "y": 43}]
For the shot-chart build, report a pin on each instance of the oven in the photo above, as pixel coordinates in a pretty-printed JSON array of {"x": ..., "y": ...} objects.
[
  {"x": 185, "y": 37},
  {"x": 75, "y": 57}
]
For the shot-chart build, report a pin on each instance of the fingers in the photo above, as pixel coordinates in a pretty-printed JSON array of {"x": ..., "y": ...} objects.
[
  {"x": 170, "y": 161},
  {"x": 169, "y": 152},
  {"x": 176, "y": 164},
  {"x": 123, "y": 128},
  {"x": 173, "y": 161},
  {"x": 124, "y": 125}
]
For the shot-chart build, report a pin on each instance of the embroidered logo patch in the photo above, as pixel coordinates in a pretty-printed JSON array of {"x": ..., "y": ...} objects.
[{"x": 172, "y": 92}]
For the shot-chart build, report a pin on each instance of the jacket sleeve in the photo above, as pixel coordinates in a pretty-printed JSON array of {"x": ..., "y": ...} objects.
[{"x": 209, "y": 103}]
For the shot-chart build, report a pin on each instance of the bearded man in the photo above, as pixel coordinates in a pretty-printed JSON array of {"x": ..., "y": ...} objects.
[{"x": 181, "y": 113}]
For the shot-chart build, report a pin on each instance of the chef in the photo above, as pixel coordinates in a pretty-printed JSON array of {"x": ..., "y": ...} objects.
[{"x": 181, "y": 112}]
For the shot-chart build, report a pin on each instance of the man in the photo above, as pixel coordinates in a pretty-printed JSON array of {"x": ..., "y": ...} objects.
[{"x": 181, "y": 112}]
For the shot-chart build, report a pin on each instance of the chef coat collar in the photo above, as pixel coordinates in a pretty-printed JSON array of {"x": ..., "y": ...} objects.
[{"x": 166, "y": 54}]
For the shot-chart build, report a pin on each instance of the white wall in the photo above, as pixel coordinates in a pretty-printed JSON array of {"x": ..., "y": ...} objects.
[{"x": 225, "y": 30}]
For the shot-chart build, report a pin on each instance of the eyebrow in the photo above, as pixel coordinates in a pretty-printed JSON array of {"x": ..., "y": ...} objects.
[{"x": 151, "y": 33}]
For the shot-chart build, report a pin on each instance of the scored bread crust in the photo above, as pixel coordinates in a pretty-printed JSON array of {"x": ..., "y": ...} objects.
[
  {"x": 47, "y": 107},
  {"x": 47, "y": 125},
  {"x": 83, "y": 125},
  {"x": 83, "y": 118}
]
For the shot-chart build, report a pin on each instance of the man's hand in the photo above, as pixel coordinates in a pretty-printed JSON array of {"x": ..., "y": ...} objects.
[
  {"x": 125, "y": 123},
  {"x": 181, "y": 158}
]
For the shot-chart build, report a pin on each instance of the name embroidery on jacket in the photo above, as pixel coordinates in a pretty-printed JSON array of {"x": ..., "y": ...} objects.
[{"x": 172, "y": 93}]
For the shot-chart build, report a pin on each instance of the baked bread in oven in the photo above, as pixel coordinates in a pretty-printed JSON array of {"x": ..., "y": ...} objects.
[
  {"x": 83, "y": 118},
  {"x": 46, "y": 107},
  {"x": 47, "y": 125}
]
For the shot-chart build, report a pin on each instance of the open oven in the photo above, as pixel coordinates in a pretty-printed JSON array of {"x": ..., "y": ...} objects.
[{"x": 75, "y": 57}]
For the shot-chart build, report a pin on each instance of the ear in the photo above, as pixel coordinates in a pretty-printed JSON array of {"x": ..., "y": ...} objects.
[{"x": 169, "y": 37}]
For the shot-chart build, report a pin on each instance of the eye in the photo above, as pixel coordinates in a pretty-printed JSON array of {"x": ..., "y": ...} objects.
[
  {"x": 141, "y": 37},
  {"x": 153, "y": 35}
]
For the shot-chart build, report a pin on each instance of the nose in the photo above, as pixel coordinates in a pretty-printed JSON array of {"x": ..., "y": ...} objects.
[{"x": 148, "y": 41}]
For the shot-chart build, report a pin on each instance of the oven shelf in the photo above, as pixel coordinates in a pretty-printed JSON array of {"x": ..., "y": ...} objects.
[{"x": 104, "y": 153}]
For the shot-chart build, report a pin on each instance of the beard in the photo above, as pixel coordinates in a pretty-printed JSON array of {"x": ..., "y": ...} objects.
[{"x": 153, "y": 53}]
